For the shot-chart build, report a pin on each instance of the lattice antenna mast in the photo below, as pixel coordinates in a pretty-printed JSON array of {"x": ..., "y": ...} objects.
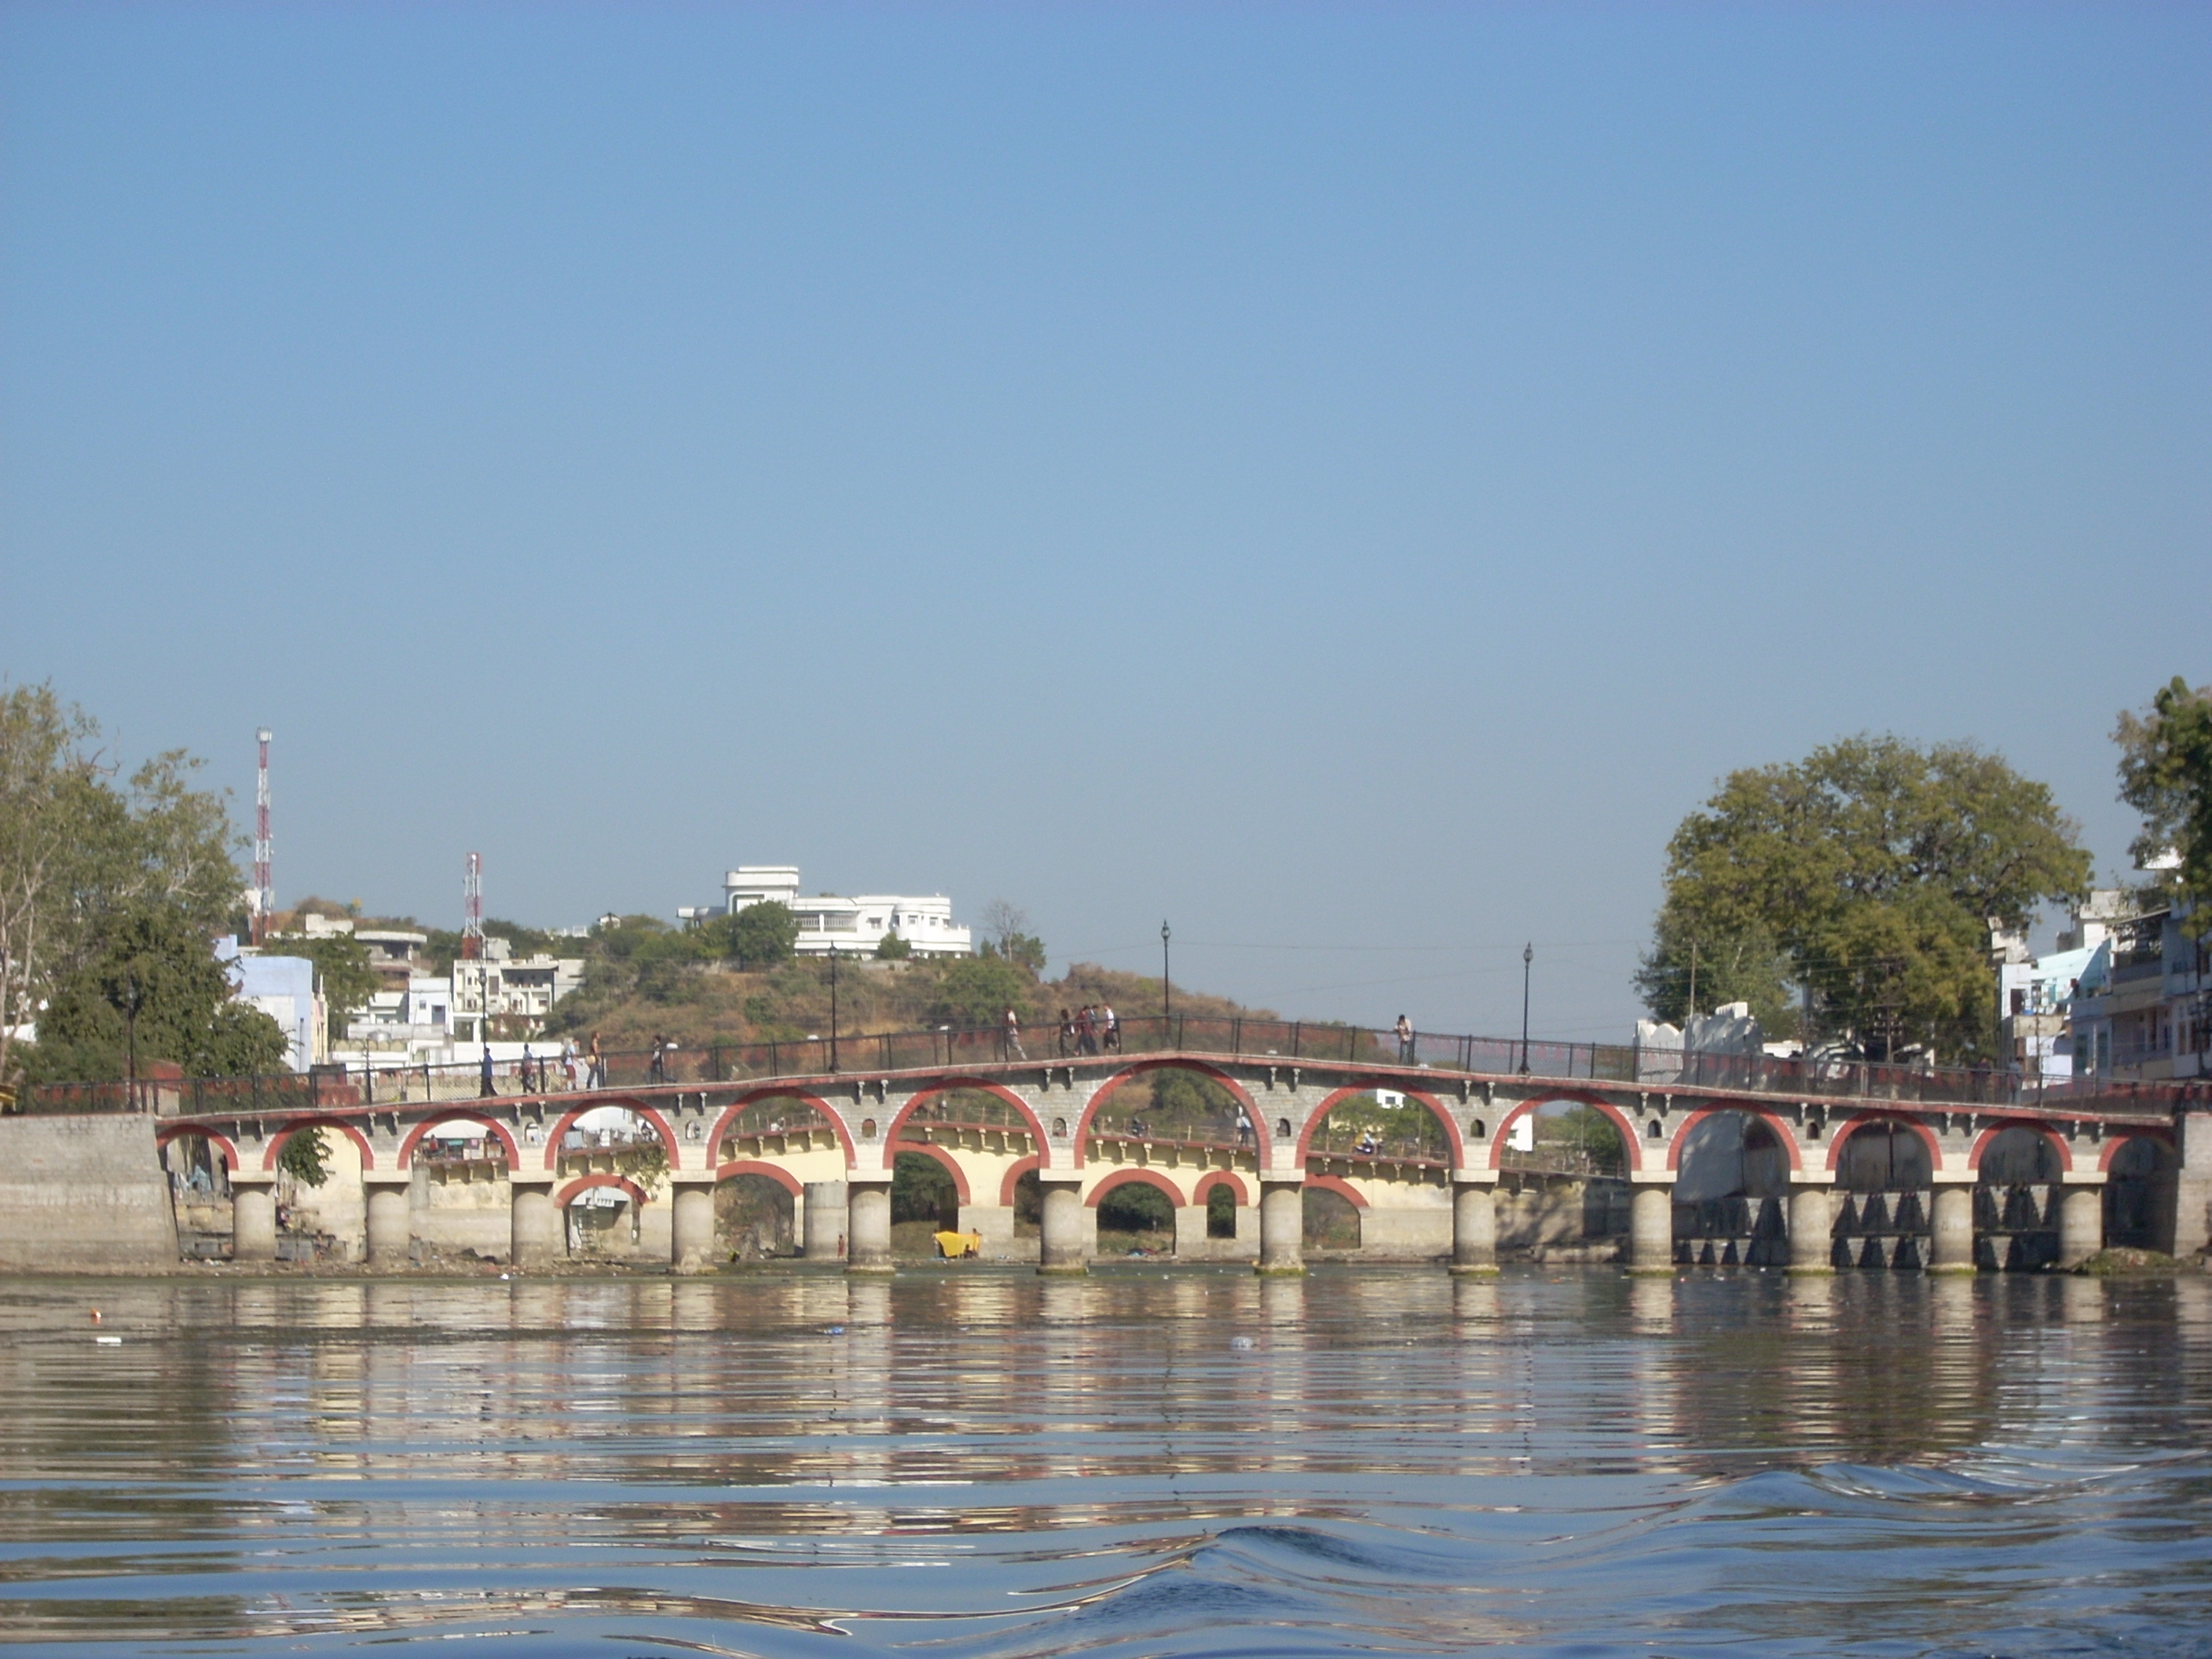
[
  {"x": 264, "y": 889},
  {"x": 473, "y": 909}
]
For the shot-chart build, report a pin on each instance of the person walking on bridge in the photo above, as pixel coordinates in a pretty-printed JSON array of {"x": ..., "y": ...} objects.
[
  {"x": 483, "y": 1074},
  {"x": 595, "y": 1068},
  {"x": 1111, "y": 1023},
  {"x": 1405, "y": 1041},
  {"x": 1013, "y": 1038}
]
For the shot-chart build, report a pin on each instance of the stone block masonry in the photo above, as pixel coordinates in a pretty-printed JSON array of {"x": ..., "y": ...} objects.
[{"x": 79, "y": 1194}]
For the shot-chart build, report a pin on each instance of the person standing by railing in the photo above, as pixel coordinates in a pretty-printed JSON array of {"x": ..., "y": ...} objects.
[
  {"x": 595, "y": 1072},
  {"x": 568, "y": 1064},
  {"x": 657, "y": 1071},
  {"x": 1405, "y": 1041},
  {"x": 1011, "y": 1036}
]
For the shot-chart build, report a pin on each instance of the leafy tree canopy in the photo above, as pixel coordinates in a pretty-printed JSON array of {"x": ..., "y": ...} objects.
[
  {"x": 443, "y": 945},
  {"x": 760, "y": 935},
  {"x": 1006, "y": 936},
  {"x": 1865, "y": 875},
  {"x": 342, "y": 971},
  {"x": 1024, "y": 951},
  {"x": 892, "y": 948},
  {"x": 977, "y": 991},
  {"x": 305, "y": 1157},
  {"x": 152, "y": 968},
  {"x": 80, "y": 857},
  {"x": 2166, "y": 775}
]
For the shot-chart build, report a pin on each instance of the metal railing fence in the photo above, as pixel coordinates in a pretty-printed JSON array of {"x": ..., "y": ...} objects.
[{"x": 983, "y": 1048}]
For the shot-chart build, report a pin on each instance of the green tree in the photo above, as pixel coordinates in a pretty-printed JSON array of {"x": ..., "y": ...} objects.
[
  {"x": 1863, "y": 879},
  {"x": 153, "y": 987},
  {"x": 79, "y": 856},
  {"x": 343, "y": 972},
  {"x": 1025, "y": 950},
  {"x": 1006, "y": 936},
  {"x": 975, "y": 992},
  {"x": 760, "y": 935},
  {"x": 305, "y": 1157},
  {"x": 2166, "y": 775},
  {"x": 443, "y": 945},
  {"x": 892, "y": 948}
]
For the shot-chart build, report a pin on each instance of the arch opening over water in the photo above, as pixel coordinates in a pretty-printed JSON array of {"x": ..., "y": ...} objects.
[
  {"x": 771, "y": 1124},
  {"x": 1136, "y": 1215},
  {"x": 1884, "y": 1196},
  {"x": 754, "y": 1217},
  {"x": 2016, "y": 1200},
  {"x": 1380, "y": 1125},
  {"x": 1178, "y": 1104},
  {"x": 1731, "y": 1187}
]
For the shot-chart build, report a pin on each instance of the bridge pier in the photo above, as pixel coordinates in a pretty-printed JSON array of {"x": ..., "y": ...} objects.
[
  {"x": 533, "y": 1224},
  {"x": 252, "y": 1216},
  {"x": 691, "y": 1231},
  {"x": 1282, "y": 1228},
  {"x": 824, "y": 1221},
  {"x": 1951, "y": 1246},
  {"x": 2081, "y": 1218},
  {"x": 994, "y": 1223},
  {"x": 1651, "y": 1225},
  {"x": 1063, "y": 1247},
  {"x": 386, "y": 1198},
  {"x": 2192, "y": 1231},
  {"x": 1475, "y": 1222},
  {"x": 1811, "y": 1221},
  {"x": 868, "y": 1226}
]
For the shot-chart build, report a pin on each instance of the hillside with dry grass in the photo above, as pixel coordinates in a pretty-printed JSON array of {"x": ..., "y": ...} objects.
[{"x": 627, "y": 1003}]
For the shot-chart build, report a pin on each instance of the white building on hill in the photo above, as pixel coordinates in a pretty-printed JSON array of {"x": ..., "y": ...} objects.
[{"x": 854, "y": 926}]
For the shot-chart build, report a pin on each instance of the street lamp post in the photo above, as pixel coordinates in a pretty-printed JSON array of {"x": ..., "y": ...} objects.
[
  {"x": 1166, "y": 996},
  {"x": 1527, "y": 958}
]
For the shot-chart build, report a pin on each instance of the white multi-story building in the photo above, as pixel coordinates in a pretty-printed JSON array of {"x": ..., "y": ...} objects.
[
  {"x": 854, "y": 925},
  {"x": 414, "y": 1023},
  {"x": 2147, "y": 1014},
  {"x": 500, "y": 986}
]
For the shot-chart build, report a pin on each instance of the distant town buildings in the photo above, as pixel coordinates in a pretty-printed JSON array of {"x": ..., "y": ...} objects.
[
  {"x": 283, "y": 988},
  {"x": 854, "y": 925},
  {"x": 2144, "y": 1007},
  {"x": 500, "y": 994}
]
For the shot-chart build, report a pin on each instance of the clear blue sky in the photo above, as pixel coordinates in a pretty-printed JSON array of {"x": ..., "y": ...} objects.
[{"x": 1334, "y": 477}]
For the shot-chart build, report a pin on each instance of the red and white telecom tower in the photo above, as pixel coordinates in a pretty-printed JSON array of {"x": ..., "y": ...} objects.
[
  {"x": 472, "y": 909},
  {"x": 264, "y": 889}
]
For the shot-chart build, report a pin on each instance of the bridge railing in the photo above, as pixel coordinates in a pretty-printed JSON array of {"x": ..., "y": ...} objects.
[{"x": 955, "y": 1049}]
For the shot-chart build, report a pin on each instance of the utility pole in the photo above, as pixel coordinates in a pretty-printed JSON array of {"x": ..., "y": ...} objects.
[
  {"x": 833, "y": 1006},
  {"x": 1691, "y": 1013},
  {"x": 1167, "y": 997},
  {"x": 1528, "y": 961}
]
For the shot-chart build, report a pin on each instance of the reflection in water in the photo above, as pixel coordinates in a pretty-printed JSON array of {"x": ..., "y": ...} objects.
[{"x": 1138, "y": 1463}]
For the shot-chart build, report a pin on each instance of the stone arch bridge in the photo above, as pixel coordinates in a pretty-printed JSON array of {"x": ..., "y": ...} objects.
[{"x": 829, "y": 1132}]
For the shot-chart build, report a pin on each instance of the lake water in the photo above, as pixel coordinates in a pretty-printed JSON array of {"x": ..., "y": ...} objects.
[{"x": 986, "y": 1463}]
